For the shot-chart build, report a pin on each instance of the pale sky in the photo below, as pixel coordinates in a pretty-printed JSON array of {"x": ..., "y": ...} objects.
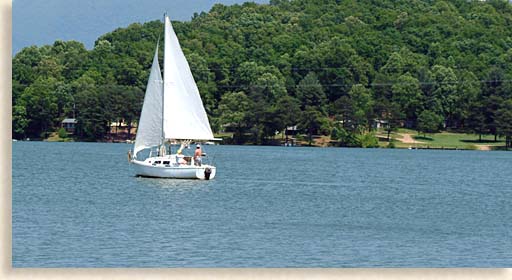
[{"x": 40, "y": 22}]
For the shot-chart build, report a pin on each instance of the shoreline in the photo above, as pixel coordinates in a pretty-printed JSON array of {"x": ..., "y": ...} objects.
[{"x": 485, "y": 148}]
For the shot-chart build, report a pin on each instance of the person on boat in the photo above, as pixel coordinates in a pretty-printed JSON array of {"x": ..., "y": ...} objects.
[
  {"x": 180, "y": 158},
  {"x": 197, "y": 155}
]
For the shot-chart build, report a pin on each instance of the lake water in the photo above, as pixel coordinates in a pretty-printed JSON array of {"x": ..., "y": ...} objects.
[{"x": 78, "y": 205}]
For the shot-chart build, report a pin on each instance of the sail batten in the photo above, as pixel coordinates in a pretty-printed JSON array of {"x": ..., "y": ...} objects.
[{"x": 149, "y": 130}]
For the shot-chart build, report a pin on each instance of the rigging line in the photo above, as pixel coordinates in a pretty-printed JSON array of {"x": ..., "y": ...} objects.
[
  {"x": 371, "y": 84},
  {"x": 294, "y": 86},
  {"x": 302, "y": 69}
]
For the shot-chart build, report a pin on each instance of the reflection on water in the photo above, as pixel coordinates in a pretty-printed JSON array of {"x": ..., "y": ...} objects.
[{"x": 174, "y": 184}]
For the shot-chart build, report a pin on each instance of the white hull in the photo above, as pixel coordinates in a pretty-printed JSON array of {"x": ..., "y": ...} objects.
[{"x": 147, "y": 168}]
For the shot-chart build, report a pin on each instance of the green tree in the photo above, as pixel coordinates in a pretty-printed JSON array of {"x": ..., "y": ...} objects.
[
  {"x": 408, "y": 95},
  {"x": 388, "y": 74},
  {"x": 344, "y": 110},
  {"x": 234, "y": 109},
  {"x": 41, "y": 106},
  {"x": 24, "y": 64},
  {"x": 390, "y": 113},
  {"x": 269, "y": 87},
  {"x": 445, "y": 91},
  {"x": 62, "y": 133},
  {"x": 126, "y": 103},
  {"x": 268, "y": 125},
  {"x": 492, "y": 105},
  {"x": 287, "y": 112},
  {"x": 468, "y": 90},
  {"x": 127, "y": 71},
  {"x": 94, "y": 113},
  {"x": 429, "y": 122},
  {"x": 362, "y": 102},
  {"x": 504, "y": 122},
  {"x": 369, "y": 140},
  {"x": 49, "y": 67},
  {"x": 476, "y": 121},
  {"x": 72, "y": 56},
  {"x": 19, "y": 121},
  {"x": 346, "y": 138},
  {"x": 310, "y": 92},
  {"x": 314, "y": 121}
]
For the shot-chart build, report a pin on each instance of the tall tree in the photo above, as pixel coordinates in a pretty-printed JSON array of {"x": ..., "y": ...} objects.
[
  {"x": 41, "y": 106},
  {"x": 313, "y": 122},
  {"x": 310, "y": 92},
  {"x": 407, "y": 94},
  {"x": 234, "y": 110},
  {"x": 476, "y": 120},
  {"x": 429, "y": 122},
  {"x": 94, "y": 114},
  {"x": 19, "y": 121},
  {"x": 445, "y": 92},
  {"x": 362, "y": 102},
  {"x": 504, "y": 121},
  {"x": 391, "y": 113}
]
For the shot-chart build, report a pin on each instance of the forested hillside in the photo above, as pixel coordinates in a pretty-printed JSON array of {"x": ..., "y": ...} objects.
[{"x": 331, "y": 67}]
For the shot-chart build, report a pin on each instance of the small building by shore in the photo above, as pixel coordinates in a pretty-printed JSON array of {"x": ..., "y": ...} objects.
[{"x": 69, "y": 125}]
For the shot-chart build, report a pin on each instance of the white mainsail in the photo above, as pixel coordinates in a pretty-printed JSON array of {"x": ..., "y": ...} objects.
[
  {"x": 149, "y": 130},
  {"x": 184, "y": 114}
]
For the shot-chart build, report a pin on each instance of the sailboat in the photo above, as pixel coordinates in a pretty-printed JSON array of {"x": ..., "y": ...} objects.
[{"x": 172, "y": 113}]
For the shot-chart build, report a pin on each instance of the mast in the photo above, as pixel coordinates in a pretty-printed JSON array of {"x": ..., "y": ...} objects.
[{"x": 163, "y": 87}]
